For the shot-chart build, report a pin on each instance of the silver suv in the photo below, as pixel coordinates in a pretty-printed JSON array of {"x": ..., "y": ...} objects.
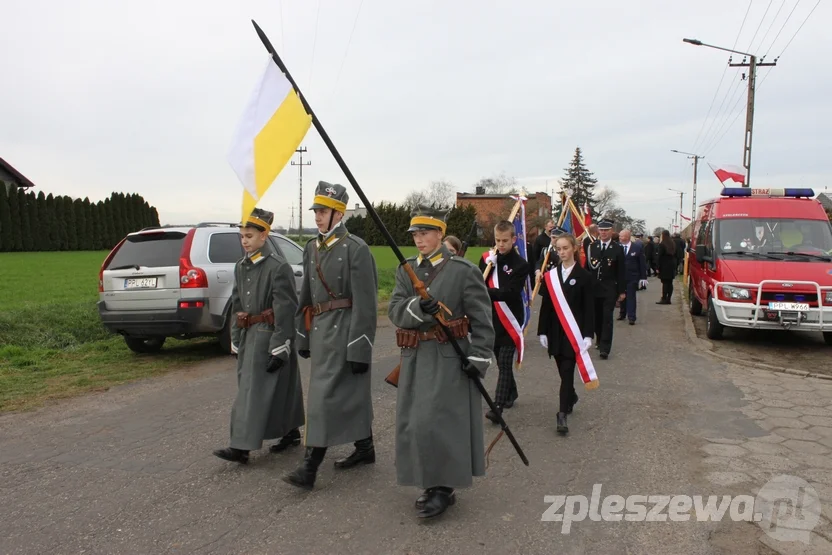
[{"x": 175, "y": 281}]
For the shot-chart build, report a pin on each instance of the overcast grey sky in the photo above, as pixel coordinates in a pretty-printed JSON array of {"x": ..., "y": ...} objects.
[{"x": 145, "y": 96}]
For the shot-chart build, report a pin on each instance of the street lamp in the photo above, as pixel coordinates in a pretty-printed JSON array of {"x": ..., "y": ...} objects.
[
  {"x": 696, "y": 159},
  {"x": 749, "y": 120}
]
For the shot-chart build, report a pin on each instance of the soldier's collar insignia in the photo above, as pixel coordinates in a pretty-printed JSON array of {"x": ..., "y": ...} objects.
[
  {"x": 434, "y": 260},
  {"x": 256, "y": 257}
]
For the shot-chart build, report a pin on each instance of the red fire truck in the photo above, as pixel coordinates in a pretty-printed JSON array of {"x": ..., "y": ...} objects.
[{"x": 762, "y": 259}]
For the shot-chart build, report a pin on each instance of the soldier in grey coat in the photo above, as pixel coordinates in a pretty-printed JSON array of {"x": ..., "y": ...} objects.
[
  {"x": 336, "y": 328},
  {"x": 439, "y": 425},
  {"x": 269, "y": 403}
]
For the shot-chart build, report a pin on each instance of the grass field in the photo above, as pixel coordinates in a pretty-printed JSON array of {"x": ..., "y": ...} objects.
[{"x": 52, "y": 344}]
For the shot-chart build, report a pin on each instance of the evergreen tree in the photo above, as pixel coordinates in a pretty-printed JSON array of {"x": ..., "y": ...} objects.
[
  {"x": 62, "y": 223},
  {"x": 25, "y": 223},
  {"x": 71, "y": 229},
  {"x": 580, "y": 182},
  {"x": 155, "y": 217},
  {"x": 14, "y": 211},
  {"x": 80, "y": 224},
  {"x": 52, "y": 217},
  {"x": 109, "y": 225},
  {"x": 34, "y": 222},
  {"x": 6, "y": 235},
  {"x": 100, "y": 228},
  {"x": 43, "y": 222},
  {"x": 89, "y": 230}
]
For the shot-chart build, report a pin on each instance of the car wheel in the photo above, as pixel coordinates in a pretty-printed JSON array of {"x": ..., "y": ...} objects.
[
  {"x": 713, "y": 329},
  {"x": 225, "y": 335},
  {"x": 138, "y": 345},
  {"x": 694, "y": 305},
  {"x": 827, "y": 336}
]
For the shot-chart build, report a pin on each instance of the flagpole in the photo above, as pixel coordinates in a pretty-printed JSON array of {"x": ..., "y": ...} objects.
[{"x": 418, "y": 285}]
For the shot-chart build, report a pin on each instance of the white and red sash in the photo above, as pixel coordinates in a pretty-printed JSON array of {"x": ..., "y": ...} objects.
[
  {"x": 570, "y": 327},
  {"x": 506, "y": 316}
]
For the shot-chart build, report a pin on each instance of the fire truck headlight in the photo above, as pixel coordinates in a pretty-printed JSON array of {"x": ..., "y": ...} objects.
[{"x": 736, "y": 293}]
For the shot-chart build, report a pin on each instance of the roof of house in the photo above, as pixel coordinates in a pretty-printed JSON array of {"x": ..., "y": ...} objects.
[
  {"x": 22, "y": 180},
  {"x": 495, "y": 196}
]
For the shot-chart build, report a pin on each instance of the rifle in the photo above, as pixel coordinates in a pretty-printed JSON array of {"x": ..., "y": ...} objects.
[
  {"x": 471, "y": 233},
  {"x": 418, "y": 285}
]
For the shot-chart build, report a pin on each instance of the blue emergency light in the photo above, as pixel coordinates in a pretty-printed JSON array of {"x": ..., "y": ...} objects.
[{"x": 749, "y": 192}]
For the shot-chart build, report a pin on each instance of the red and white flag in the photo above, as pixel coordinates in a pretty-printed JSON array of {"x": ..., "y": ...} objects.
[
  {"x": 587, "y": 215},
  {"x": 684, "y": 217},
  {"x": 570, "y": 327},
  {"x": 728, "y": 172},
  {"x": 504, "y": 313}
]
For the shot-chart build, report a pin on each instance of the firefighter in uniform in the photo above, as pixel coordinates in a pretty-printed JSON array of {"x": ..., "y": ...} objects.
[
  {"x": 606, "y": 264},
  {"x": 336, "y": 328},
  {"x": 269, "y": 403},
  {"x": 439, "y": 424}
]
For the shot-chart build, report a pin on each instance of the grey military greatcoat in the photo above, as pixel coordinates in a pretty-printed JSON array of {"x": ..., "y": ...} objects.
[
  {"x": 439, "y": 422},
  {"x": 339, "y": 405},
  {"x": 268, "y": 406}
]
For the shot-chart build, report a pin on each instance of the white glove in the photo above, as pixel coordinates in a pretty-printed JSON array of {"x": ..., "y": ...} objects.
[
  {"x": 643, "y": 283},
  {"x": 544, "y": 341},
  {"x": 492, "y": 259},
  {"x": 587, "y": 344}
]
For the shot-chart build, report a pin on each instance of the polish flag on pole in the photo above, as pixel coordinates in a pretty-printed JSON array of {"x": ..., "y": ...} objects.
[
  {"x": 726, "y": 172},
  {"x": 684, "y": 217}
]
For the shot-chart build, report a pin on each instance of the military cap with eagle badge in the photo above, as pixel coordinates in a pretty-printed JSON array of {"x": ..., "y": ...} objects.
[{"x": 328, "y": 195}]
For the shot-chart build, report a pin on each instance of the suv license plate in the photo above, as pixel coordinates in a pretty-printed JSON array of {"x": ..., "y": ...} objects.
[
  {"x": 140, "y": 283},
  {"x": 788, "y": 306}
]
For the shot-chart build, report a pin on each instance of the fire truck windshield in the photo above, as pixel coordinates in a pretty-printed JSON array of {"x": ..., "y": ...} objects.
[{"x": 778, "y": 238}]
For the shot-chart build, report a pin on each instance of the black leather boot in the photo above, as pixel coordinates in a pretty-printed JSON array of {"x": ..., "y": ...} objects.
[
  {"x": 422, "y": 499},
  {"x": 562, "y": 428},
  {"x": 232, "y": 455},
  {"x": 574, "y": 402},
  {"x": 289, "y": 440},
  {"x": 304, "y": 476},
  {"x": 438, "y": 499},
  {"x": 365, "y": 453}
]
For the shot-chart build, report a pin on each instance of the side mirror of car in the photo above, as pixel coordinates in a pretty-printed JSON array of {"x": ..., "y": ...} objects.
[{"x": 702, "y": 254}]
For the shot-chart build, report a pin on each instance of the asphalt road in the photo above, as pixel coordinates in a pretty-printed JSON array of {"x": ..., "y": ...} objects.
[{"x": 131, "y": 470}]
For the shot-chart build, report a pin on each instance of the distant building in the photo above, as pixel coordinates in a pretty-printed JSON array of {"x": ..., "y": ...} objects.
[
  {"x": 357, "y": 211},
  {"x": 491, "y": 207},
  {"x": 11, "y": 176},
  {"x": 825, "y": 201}
]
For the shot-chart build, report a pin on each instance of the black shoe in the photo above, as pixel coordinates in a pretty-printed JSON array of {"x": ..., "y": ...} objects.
[
  {"x": 562, "y": 427},
  {"x": 621, "y": 317},
  {"x": 493, "y": 417},
  {"x": 289, "y": 440},
  {"x": 364, "y": 453},
  {"x": 438, "y": 499},
  {"x": 232, "y": 455},
  {"x": 574, "y": 402},
  {"x": 422, "y": 499},
  {"x": 304, "y": 477},
  {"x": 509, "y": 404},
  {"x": 604, "y": 355},
  {"x": 632, "y": 322}
]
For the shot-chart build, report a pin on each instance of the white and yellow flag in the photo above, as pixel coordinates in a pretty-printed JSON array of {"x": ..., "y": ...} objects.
[{"x": 271, "y": 129}]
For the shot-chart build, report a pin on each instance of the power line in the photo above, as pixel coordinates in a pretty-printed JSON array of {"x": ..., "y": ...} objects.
[
  {"x": 770, "y": 2},
  {"x": 767, "y": 73},
  {"x": 315, "y": 43},
  {"x": 770, "y": 25},
  {"x": 354, "y": 24},
  {"x": 736, "y": 98},
  {"x": 730, "y": 93},
  {"x": 799, "y": 28},
  {"x": 736, "y": 40},
  {"x": 781, "y": 28}
]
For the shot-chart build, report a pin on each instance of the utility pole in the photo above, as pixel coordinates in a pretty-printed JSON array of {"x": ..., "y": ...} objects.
[
  {"x": 752, "y": 66},
  {"x": 695, "y": 158},
  {"x": 301, "y": 150},
  {"x": 679, "y": 213}
]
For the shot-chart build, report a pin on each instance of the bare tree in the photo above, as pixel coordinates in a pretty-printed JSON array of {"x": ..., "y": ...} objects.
[
  {"x": 415, "y": 198},
  {"x": 606, "y": 200},
  {"x": 438, "y": 193},
  {"x": 498, "y": 185}
]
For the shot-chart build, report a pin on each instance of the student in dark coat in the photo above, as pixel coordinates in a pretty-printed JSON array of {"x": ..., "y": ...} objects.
[
  {"x": 505, "y": 281},
  {"x": 577, "y": 288},
  {"x": 649, "y": 249},
  {"x": 667, "y": 266}
]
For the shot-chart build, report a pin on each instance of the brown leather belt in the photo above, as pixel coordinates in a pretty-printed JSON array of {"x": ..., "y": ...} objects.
[
  {"x": 432, "y": 334},
  {"x": 336, "y": 304},
  {"x": 245, "y": 320}
]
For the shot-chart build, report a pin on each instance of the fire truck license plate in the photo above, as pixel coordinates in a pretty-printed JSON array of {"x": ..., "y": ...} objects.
[{"x": 788, "y": 306}]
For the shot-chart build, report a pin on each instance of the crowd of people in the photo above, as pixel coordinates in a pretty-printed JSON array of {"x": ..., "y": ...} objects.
[{"x": 452, "y": 319}]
